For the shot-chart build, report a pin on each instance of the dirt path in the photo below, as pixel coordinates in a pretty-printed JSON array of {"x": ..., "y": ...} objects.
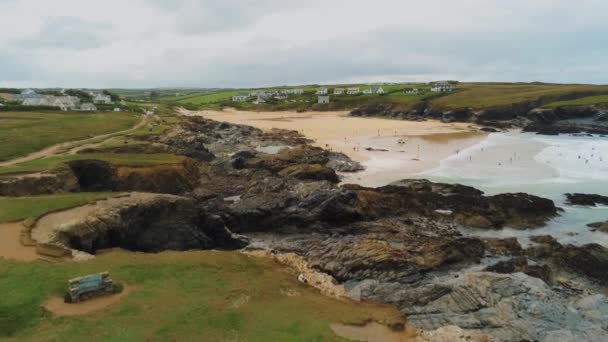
[
  {"x": 69, "y": 147},
  {"x": 10, "y": 243},
  {"x": 57, "y": 306}
]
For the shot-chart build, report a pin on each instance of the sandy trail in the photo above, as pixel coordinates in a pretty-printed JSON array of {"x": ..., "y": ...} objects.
[
  {"x": 71, "y": 147},
  {"x": 10, "y": 243},
  {"x": 57, "y": 306}
]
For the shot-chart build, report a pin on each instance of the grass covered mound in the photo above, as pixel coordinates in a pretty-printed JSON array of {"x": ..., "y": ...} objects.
[
  {"x": 202, "y": 296},
  {"x": 22, "y": 133},
  {"x": 19, "y": 208},
  {"x": 128, "y": 159}
]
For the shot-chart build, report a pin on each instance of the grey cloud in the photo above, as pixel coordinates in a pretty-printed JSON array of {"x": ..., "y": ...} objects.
[
  {"x": 210, "y": 16},
  {"x": 67, "y": 33}
]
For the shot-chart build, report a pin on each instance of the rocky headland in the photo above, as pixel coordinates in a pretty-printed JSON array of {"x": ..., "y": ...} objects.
[
  {"x": 528, "y": 116},
  {"x": 273, "y": 193}
]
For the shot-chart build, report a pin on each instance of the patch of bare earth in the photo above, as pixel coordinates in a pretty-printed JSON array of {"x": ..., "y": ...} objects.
[
  {"x": 57, "y": 306},
  {"x": 10, "y": 243}
]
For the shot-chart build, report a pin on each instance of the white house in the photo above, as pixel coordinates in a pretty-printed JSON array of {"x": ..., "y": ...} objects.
[
  {"x": 298, "y": 91},
  {"x": 338, "y": 91},
  {"x": 103, "y": 99},
  {"x": 322, "y": 91},
  {"x": 442, "y": 87},
  {"x": 37, "y": 101},
  {"x": 240, "y": 98},
  {"x": 27, "y": 94},
  {"x": 353, "y": 91},
  {"x": 259, "y": 100},
  {"x": 374, "y": 90},
  {"x": 65, "y": 102},
  {"x": 88, "y": 107},
  {"x": 323, "y": 99},
  {"x": 280, "y": 97},
  {"x": 410, "y": 90}
]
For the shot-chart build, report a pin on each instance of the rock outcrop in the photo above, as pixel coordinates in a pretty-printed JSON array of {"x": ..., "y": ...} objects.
[
  {"x": 586, "y": 199},
  {"x": 138, "y": 222},
  {"x": 61, "y": 180},
  {"x": 589, "y": 261}
]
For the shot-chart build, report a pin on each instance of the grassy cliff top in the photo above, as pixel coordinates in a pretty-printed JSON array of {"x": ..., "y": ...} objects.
[{"x": 466, "y": 95}]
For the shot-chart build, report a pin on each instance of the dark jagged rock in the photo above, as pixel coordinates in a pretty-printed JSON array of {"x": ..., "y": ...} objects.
[
  {"x": 520, "y": 264},
  {"x": 342, "y": 163},
  {"x": 599, "y": 227},
  {"x": 589, "y": 260},
  {"x": 140, "y": 222},
  {"x": 95, "y": 175},
  {"x": 586, "y": 199}
]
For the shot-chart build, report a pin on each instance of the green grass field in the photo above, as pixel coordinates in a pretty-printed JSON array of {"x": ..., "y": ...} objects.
[
  {"x": 474, "y": 95},
  {"x": 479, "y": 95},
  {"x": 46, "y": 164},
  {"x": 585, "y": 101},
  {"x": 192, "y": 296},
  {"x": 22, "y": 133},
  {"x": 19, "y": 208}
]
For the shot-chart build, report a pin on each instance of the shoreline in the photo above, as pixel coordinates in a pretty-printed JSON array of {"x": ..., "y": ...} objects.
[{"x": 428, "y": 142}]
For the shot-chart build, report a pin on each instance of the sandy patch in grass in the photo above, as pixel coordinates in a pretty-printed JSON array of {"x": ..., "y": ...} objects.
[
  {"x": 10, "y": 244},
  {"x": 57, "y": 306}
]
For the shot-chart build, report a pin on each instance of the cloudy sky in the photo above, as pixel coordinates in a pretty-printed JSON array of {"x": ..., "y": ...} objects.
[{"x": 244, "y": 43}]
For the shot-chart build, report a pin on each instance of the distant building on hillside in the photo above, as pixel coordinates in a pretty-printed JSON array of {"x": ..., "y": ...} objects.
[
  {"x": 323, "y": 99},
  {"x": 240, "y": 98},
  {"x": 322, "y": 91},
  {"x": 338, "y": 91},
  {"x": 27, "y": 94},
  {"x": 280, "y": 97},
  {"x": 442, "y": 86},
  {"x": 88, "y": 107},
  {"x": 298, "y": 91},
  {"x": 102, "y": 99},
  {"x": 410, "y": 90},
  {"x": 259, "y": 100},
  {"x": 61, "y": 102},
  {"x": 374, "y": 90},
  {"x": 353, "y": 91}
]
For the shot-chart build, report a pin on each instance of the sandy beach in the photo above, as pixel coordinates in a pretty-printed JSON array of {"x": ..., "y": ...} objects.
[{"x": 380, "y": 144}]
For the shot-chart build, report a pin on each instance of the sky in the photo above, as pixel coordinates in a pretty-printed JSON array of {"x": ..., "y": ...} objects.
[{"x": 253, "y": 43}]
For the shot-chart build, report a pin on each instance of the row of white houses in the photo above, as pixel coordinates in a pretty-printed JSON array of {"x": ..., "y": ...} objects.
[
  {"x": 441, "y": 86},
  {"x": 64, "y": 102}
]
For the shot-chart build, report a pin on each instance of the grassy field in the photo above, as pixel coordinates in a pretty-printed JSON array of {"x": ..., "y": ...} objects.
[
  {"x": 22, "y": 133},
  {"x": 585, "y": 101},
  {"x": 480, "y": 95},
  {"x": 39, "y": 165},
  {"x": 193, "y": 296},
  {"x": 308, "y": 101},
  {"x": 16, "y": 209},
  {"x": 474, "y": 95}
]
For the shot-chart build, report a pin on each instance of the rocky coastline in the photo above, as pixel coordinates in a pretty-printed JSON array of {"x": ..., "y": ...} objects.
[
  {"x": 273, "y": 193},
  {"x": 527, "y": 116}
]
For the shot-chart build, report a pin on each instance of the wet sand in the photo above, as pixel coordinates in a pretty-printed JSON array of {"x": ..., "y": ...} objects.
[
  {"x": 10, "y": 243},
  {"x": 373, "y": 332},
  {"x": 427, "y": 141},
  {"x": 57, "y": 306}
]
